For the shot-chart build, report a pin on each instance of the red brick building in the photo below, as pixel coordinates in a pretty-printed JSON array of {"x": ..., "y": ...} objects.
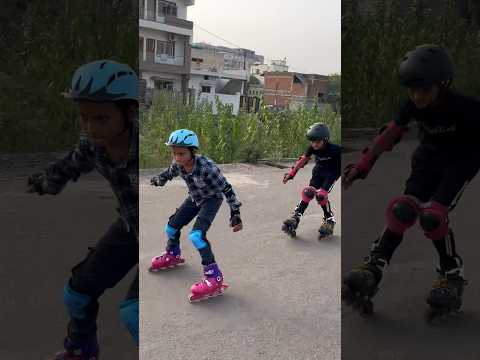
[{"x": 291, "y": 90}]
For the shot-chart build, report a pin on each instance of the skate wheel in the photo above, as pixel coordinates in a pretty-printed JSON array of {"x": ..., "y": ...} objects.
[
  {"x": 192, "y": 298},
  {"x": 366, "y": 308},
  {"x": 434, "y": 313},
  {"x": 347, "y": 296},
  {"x": 152, "y": 269}
]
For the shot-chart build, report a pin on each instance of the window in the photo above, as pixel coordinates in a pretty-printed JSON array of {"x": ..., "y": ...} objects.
[
  {"x": 166, "y": 8},
  {"x": 163, "y": 84},
  {"x": 165, "y": 48},
  {"x": 140, "y": 48},
  {"x": 150, "y": 49},
  {"x": 206, "y": 77},
  {"x": 205, "y": 89}
]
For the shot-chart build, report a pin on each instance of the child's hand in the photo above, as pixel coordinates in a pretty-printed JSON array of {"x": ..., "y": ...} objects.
[
  {"x": 236, "y": 221},
  {"x": 350, "y": 174},
  {"x": 35, "y": 184},
  {"x": 287, "y": 177},
  {"x": 157, "y": 181}
]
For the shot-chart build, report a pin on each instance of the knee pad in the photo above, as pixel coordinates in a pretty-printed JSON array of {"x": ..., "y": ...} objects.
[
  {"x": 171, "y": 231},
  {"x": 75, "y": 302},
  {"x": 434, "y": 220},
  {"x": 308, "y": 194},
  {"x": 402, "y": 212},
  {"x": 322, "y": 196},
  {"x": 197, "y": 239},
  {"x": 129, "y": 315}
]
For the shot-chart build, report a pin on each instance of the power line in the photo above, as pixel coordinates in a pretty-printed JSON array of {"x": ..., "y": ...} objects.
[{"x": 217, "y": 36}]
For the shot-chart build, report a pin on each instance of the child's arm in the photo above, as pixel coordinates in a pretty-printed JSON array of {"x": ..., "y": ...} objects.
[
  {"x": 215, "y": 179},
  {"x": 389, "y": 135},
  {"x": 300, "y": 163},
  {"x": 168, "y": 174},
  {"x": 54, "y": 178}
]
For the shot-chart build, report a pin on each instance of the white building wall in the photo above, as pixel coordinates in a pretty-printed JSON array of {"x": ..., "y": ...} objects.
[{"x": 233, "y": 100}]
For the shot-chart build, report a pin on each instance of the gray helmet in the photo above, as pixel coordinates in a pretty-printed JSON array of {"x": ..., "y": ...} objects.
[
  {"x": 318, "y": 131},
  {"x": 425, "y": 65}
]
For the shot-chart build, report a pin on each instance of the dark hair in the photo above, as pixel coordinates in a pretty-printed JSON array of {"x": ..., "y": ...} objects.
[{"x": 126, "y": 106}]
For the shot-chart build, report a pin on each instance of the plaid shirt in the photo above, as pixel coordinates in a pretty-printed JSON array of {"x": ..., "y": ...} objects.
[
  {"x": 123, "y": 177},
  {"x": 204, "y": 182}
]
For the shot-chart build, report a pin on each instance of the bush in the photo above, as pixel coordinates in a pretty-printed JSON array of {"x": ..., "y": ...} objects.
[
  {"x": 226, "y": 138},
  {"x": 373, "y": 42}
]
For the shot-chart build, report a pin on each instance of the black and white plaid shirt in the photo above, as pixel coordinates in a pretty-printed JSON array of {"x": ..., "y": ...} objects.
[
  {"x": 204, "y": 182},
  {"x": 123, "y": 177}
]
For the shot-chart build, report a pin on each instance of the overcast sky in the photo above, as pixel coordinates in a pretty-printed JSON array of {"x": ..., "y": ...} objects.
[{"x": 306, "y": 32}]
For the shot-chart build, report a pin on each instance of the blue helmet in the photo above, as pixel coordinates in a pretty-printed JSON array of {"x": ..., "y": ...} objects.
[
  {"x": 102, "y": 81},
  {"x": 183, "y": 137}
]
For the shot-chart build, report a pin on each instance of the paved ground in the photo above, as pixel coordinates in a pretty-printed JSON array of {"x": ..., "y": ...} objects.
[
  {"x": 284, "y": 299},
  {"x": 398, "y": 331},
  {"x": 42, "y": 238}
]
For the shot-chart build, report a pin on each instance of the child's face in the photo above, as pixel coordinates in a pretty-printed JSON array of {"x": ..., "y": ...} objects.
[
  {"x": 102, "y": 122},
  {"x": 182, "y": 155},
  {"x": 425, "y": 96},
  {"x": 318, "y": 144}
]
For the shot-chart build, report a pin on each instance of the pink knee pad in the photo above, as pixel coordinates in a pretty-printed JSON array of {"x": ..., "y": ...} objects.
[
  {"x": 308, "y": 194},
  {"x": 401, "y": 213},
  {"x": 434, "y": 220},
  {"x": 322, "y": 196}
]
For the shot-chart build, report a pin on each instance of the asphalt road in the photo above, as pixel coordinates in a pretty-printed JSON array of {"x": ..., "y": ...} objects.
[
  {"x": 398, "y": 330},
  {"x": 284, "y": 295},
  {"x": 42, "y": 238}
]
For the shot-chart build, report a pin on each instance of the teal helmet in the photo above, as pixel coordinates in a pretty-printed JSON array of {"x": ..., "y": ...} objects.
[
  {"x": 183, "y": 137},
  {"x": 104, "y": 81}
]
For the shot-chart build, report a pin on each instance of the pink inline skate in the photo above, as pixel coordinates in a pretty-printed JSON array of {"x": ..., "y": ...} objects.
[
  {"x": 168, "y": 260},
  {"x": 212, "y": 284}
]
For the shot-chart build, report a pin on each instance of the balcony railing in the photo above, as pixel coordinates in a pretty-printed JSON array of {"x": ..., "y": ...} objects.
[
  {"x": 167, "y": 19},
  {"x": 175, "y": 21},
  {"x": 164, "y": 59}
]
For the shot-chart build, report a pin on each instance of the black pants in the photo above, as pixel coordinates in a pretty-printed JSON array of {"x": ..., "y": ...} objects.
[
  {"x": 435, "y": 176},
  {"x": 205, "y": 214},
  {"x": 115, "y": 254},
  {"x": 319, "y": 180}
]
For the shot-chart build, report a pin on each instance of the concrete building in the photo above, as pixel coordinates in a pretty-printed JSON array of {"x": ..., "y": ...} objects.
[
  {"x": 235, "y": 58},
  {"x": 290, "y": 90},
  {"x": 164, "y": 45},
  {"x": 211, "y": 79},
  {"x": 256, "y": 86},
  {"x": 274, "y": 66}
]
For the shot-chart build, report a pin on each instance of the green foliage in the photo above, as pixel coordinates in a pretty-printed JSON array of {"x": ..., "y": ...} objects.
[
  {"x": 226, "y": 138},
  {"x": 43, "y": 43},
  {"x": 374, "y": 41}
]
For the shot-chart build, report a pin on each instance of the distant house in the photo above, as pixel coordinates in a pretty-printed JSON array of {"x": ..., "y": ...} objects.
[
  {"x": 274, "y": 66},
  {"x": 291, "y": 90},
  {"x": 210, "y": 80},
  {"x": 164, "y": 45}
]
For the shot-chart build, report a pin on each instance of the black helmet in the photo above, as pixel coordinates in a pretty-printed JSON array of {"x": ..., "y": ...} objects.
[
  {"x": 425, "y": 65},
  {"x": 318, "y": 131}
]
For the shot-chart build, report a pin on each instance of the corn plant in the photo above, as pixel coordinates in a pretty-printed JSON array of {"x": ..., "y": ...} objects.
[
  {"x": 247, "y": 137},
  {"x": 375, "y": 39}
]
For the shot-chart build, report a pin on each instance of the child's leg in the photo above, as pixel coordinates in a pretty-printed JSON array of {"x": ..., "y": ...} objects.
[
  {"x": 182, "y": 216},
  {"x": 106, "y": 264},
  {"x": 129, "y": 310},
  {"x": 327, "y": 185},
  {"x": 308, "y": 194},
  {"x": 434, "y": 218},
  {"x": 403, "y": 211},
  {"x": 206, "y": 215}
]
